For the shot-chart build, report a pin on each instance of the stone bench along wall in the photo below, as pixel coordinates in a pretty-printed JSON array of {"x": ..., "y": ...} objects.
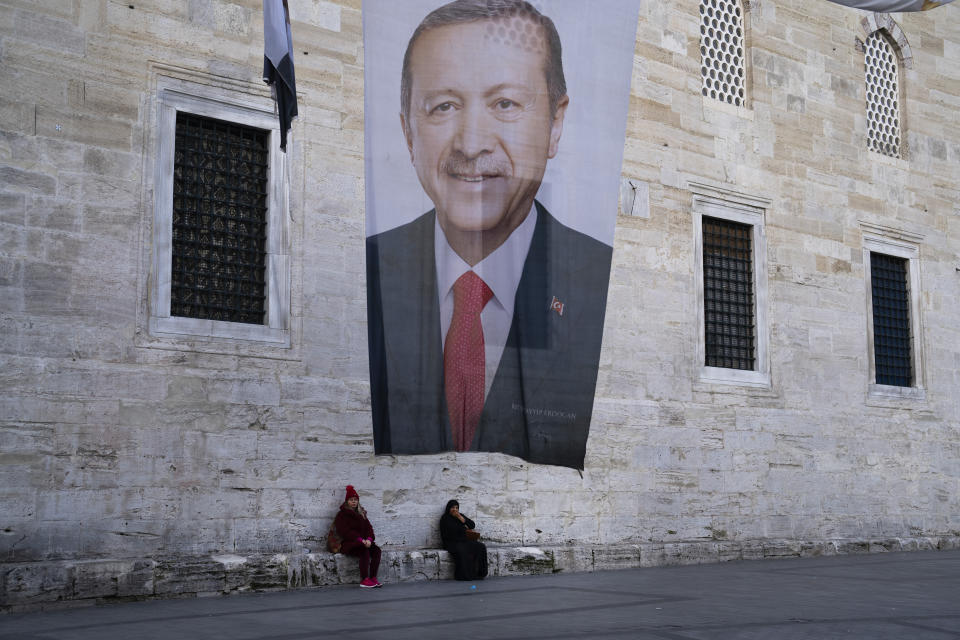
[{"x": 27, "y": 586}]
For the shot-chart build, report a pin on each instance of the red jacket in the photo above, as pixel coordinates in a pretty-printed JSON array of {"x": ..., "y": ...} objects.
[{"x": 353, "y": 527}]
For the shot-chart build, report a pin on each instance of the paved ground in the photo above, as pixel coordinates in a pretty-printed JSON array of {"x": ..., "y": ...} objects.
[{"x": 911, "y": 596}]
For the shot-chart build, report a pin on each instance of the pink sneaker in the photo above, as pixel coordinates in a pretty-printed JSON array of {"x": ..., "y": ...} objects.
[{"x": 368, "y": 583}]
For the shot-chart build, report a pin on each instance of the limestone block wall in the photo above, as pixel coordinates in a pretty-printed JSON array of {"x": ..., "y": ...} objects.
[
  {"x": 814, "y": 455},
  {"x": 117, "y": 444}
]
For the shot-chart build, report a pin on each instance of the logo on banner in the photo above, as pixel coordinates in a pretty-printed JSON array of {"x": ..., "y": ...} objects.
[{"x": 557, "y": 306}]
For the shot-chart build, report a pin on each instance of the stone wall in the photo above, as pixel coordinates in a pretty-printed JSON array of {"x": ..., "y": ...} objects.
[{"x": 116, "y": 446}]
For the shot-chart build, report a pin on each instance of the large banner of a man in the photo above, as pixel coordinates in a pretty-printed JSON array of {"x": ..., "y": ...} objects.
[{"x": 494, "y": 141}]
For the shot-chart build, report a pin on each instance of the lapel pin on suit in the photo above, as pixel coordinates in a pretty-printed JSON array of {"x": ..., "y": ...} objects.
[{"x": 557, "y": 306}]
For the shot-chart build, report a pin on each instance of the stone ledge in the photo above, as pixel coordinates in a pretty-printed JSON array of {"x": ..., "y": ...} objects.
[{"x": 28, "y": 586}]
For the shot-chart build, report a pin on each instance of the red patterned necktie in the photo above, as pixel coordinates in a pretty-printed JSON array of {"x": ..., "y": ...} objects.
[{"x": 464, "y": 361}]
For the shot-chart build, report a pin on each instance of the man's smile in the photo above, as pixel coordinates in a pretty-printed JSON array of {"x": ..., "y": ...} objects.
[{"x": 473, "y": 177}]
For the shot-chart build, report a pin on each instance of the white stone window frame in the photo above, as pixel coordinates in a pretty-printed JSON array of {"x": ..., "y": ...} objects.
[
  {"x": 175, "y": 95},
  {"x": 718, "y": 202},
  {"x": 899, "y": 244}
]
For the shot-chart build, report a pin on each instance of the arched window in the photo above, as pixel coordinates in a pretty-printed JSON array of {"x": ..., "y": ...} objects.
[
  {"x": 721, "y": 51},
  {"x": 882, "y": 70}
]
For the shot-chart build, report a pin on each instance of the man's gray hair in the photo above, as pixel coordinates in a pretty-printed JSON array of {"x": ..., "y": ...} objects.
[{"x": 464, "y": 11}]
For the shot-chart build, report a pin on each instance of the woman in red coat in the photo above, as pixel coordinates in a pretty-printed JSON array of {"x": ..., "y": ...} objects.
[{"x": 357, "y": 534}]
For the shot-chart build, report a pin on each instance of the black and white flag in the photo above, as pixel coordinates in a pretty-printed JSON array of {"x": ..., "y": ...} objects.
[
  {"x": 278, "y": 62},
  {"x": 893, "y": 6}
]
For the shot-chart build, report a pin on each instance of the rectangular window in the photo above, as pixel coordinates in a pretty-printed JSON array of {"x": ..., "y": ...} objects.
[
  {"x": 221, "y": 263},
  {"x": 891, "y": 320},
  {"x": 220, "y": 175},
  {"x": 891, "y": 261},
  {"x": 728, "y": 297},
  {"x": 730, "y": 272}
]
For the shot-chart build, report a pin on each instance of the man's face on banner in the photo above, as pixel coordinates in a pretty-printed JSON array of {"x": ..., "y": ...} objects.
[{"x": 480, "y": 129}]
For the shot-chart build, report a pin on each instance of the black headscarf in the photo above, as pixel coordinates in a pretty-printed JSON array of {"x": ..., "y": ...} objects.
[{"x": 450, "y": 503}]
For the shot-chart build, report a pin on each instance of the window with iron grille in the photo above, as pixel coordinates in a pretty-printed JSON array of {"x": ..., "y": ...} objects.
[
  {"x": 220, "y": 183},
  {"x": 891, "y": 320},
  {"x": 221, "y": 255},
  {"x": 728, "y": 295}
]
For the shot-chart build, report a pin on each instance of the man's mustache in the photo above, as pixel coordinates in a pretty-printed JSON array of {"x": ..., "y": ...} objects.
[{"x": 482, "y": 165}]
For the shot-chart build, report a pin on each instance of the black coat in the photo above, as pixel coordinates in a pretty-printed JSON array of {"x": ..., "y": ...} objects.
[
  {"x": 453, "y": 531},
  {"x": 469, "y": 556}
]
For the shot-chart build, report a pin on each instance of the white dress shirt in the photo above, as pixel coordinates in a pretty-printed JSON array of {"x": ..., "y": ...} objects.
[{"x": 501, "y": 270}]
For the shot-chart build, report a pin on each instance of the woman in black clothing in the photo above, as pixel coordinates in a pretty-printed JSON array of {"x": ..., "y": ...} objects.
[{"x": 469, "y": 556}]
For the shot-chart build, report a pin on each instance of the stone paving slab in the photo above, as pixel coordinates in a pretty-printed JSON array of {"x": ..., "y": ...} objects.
[{"x": 914, "y": 596}]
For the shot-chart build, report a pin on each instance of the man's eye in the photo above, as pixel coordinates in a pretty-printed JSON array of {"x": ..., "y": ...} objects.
[
  {"x": 442, "y": 107},
  {"x": 505, "y": 104}
]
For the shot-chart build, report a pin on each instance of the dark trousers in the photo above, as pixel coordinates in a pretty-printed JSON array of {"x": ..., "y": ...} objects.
[{"x": 369, "y": 560}]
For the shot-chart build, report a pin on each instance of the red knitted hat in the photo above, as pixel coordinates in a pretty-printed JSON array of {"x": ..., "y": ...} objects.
[{"x": 351, "y": 493}]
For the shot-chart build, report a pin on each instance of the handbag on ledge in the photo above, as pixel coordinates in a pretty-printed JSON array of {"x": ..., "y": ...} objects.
[{"x": 472, "y": 535}]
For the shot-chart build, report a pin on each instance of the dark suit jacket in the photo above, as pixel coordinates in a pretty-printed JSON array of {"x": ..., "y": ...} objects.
[{"x": 540, "y": 403}]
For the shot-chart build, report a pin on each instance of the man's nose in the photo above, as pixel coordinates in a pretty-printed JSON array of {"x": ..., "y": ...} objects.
[{"x": 475, "y": 133}]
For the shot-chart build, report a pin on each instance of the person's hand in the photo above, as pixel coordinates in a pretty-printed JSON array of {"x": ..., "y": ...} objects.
[
  {"x": 455, "y": 512},
  {"x": 367, "y": 543}
]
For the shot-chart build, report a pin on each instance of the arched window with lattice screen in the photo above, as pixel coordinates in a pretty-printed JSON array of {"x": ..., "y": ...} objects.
[
  {"x": 722, "y": 51},
  {"x": 882, "y": 70}
]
